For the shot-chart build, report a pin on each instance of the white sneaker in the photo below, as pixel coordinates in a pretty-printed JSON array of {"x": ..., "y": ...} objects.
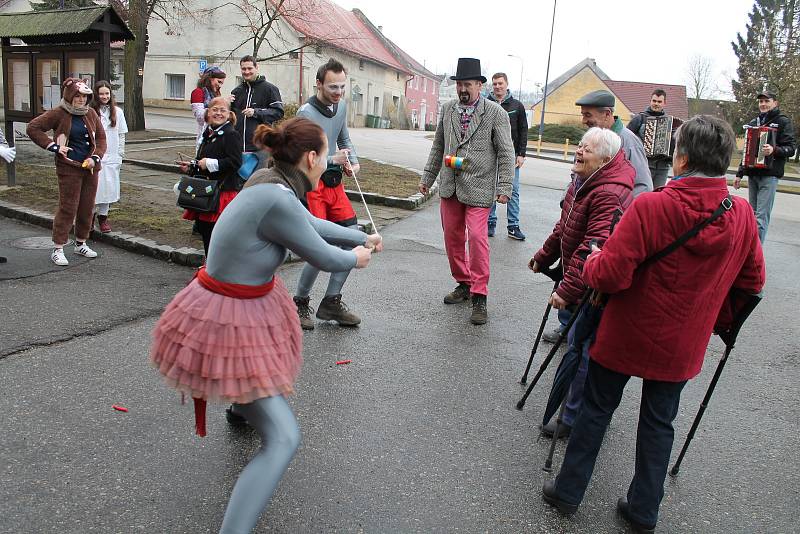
[
  {"x": 58, "y": 257},
  {"x": 84, "y": 250}
]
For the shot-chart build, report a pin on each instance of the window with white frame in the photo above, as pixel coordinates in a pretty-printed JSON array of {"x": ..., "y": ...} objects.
[
  {"x": 425, "y": 85},
  {"x": 176, "y": 86}
]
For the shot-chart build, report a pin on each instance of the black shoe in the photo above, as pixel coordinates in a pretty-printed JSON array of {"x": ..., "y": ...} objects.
[
  {"x": 550, "y": 428},
  {"x": 331, "y": 308},
  {"x": 549, "y": 496},
  {"x": 459, "y": 294},
  {"x": 304, "y": 311},
  {"x": 479, "y": 313},
  {"x": 552, "y": 336},
  {"x": 624, "y": 511},
  {"x": 491, "y": 229},
  {"x": 234, "y": 419}
]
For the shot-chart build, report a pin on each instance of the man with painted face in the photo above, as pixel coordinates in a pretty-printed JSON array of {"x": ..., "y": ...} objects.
[
  {"x": 762, "y": 183},
  {"x": 473, "y": 141},
  {"x": 659, "y": 165},
  {"x": 597, "y": 109},
  {"x": 255, "y": 101},
  {"x": 329, "y": 200}
]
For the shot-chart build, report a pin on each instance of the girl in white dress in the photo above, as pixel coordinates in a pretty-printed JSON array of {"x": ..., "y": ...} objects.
[{"x": 115, "y": 127}]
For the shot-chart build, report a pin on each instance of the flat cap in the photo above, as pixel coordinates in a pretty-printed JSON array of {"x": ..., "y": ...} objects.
[{"x": 597, "y": 99}]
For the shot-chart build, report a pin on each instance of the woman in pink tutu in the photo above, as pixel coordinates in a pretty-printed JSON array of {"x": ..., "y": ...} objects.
[{"x": 233, "y": 335}]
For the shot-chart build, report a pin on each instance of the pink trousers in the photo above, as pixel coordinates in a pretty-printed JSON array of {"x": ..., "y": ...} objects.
[{"x": 467, "y": 243}]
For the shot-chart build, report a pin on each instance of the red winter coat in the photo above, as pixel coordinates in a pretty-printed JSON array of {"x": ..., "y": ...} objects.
[
  {"x": 659, "y": 318},
  {"x": 586, "y": 214}
]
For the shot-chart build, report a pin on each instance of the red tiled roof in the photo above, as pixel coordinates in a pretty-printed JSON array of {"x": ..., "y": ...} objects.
[
  {"x": 636, "y": 96},
  {"x": 325, "y": 21}
]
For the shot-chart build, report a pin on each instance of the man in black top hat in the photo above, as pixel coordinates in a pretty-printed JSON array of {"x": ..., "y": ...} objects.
[
  {"x": 762, "y": 183},
  {"x": 473, "y": 141}
]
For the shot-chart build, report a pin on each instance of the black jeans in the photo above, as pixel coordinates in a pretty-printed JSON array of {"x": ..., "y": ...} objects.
[
  {"x": 204, "y": 228},
  {"x": 654, "y": 438}
]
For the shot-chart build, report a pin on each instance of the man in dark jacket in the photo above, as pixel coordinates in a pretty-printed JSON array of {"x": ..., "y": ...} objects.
[
  {"x": 519, "y": 134},
  {"x": 255, "y": 101},
  {"x": 659, "y": 165},
  {"x": 601, "y": 189},
  {"x": 762, "y": 183}
]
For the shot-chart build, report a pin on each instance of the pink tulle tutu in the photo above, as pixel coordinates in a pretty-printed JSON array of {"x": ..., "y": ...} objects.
[{"x": 224, "y": 349}]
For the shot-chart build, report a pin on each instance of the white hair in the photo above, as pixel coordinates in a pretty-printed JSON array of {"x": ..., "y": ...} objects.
[{"x": 605, "y": 142}]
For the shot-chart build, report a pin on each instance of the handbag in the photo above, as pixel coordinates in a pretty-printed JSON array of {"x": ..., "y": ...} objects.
[
  {"x": 198, "y": 194},
  {"x": 249, "y": 163}
]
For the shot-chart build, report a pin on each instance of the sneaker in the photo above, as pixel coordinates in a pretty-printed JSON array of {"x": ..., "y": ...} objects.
[
  {"x": 491, "y": 230},
  {"x": 515, "y": 233},
  {"x": 479, "y": 313},
  {"x": 549, "y": 430},
  {"x": 304, "y": 311},
  {"x": 105, "y": 227},
  {"x": 84, "y": 250},
  {"x": 333, "y": 309},
  {"x": 459, "y": 294},
  {"x": 58, "y": 257},
  {"x": 552, "y": 336},
  {"x": 234, "y": 419}
]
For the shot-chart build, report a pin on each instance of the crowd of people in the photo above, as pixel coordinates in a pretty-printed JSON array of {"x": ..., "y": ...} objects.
[{"x": 620, "y": 232}]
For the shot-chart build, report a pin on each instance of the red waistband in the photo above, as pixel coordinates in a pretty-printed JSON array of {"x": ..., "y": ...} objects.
[{"x": 237, "y": 291}]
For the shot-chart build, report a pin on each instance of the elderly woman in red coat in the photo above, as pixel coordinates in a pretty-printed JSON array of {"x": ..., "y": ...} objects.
[{"x": 660, "y": 315}]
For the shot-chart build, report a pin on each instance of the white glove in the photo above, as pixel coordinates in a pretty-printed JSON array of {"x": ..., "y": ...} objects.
[{"x": 7, "y": 153}]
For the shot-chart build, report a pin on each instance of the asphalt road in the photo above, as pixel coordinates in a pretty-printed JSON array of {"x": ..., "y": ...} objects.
[{"x": 418, "y": 434}]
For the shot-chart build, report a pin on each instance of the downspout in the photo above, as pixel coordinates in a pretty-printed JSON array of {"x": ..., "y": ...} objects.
[{"x": 300, "y": 87}]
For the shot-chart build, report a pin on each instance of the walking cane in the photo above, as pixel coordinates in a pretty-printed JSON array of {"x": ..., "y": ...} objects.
[
  {"x": 548, "y": 464},
  {"x": 729, "y": 337},
  {"x": 561, "y": 336},
  {"x": 555, "y": 274}
]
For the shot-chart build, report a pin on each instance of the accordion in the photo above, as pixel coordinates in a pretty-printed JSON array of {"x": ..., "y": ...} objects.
[
  {"x": 657, "y": 136},
  {"x": 755, "y": 137}
]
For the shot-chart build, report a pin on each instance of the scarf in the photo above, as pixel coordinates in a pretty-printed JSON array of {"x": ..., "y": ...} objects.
[
  {"x": 72, "y": 110},
  {"x": 284, "y": 174}
]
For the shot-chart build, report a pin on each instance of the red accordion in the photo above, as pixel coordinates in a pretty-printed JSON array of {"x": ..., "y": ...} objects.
[{"x": 755, "y": 137}]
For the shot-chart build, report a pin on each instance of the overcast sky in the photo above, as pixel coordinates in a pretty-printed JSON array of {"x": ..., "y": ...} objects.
[{"x": 630, "y": 39}]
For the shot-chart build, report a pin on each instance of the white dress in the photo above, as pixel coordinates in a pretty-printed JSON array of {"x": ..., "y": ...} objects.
[{"x": 108, "y": 180}]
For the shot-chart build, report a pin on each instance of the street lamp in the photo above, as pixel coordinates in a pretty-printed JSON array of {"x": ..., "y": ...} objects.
[
  {"x": 547, "y": 74},
  {"x": 521, "y": 66}
]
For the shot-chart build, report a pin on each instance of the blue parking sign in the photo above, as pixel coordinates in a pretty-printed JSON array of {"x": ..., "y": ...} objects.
[{"x": 203, "y": 64}]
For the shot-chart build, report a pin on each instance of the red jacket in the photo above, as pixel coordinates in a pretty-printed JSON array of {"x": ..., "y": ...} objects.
[
  {"x": 659, "y": 318},
  {"x": 586, "y": 214}
]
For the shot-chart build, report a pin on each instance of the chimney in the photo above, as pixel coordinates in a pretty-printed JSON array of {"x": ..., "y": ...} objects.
[{"x": 380, "y": 29}]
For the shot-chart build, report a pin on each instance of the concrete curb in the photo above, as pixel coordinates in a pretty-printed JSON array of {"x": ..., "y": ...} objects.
[{"x": 190, "y": 257}]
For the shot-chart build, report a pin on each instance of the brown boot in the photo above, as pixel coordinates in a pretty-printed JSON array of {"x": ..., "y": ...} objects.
[
  {"x": 479, "y": 313},
  {"x": 304, "y": 311},
  {"x": 459, "y": 294},
  {"x": 333, "y": 309}
]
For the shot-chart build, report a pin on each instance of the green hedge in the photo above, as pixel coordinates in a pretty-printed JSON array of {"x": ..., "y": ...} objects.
[{"x": 556, "y": 133}]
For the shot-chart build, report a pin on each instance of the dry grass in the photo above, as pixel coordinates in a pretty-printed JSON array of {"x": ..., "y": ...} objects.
[{"x": 382, "y": 179}]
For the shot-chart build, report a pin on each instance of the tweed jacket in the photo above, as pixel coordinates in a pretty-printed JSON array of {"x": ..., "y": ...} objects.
[{"x": 487, "y": 149}]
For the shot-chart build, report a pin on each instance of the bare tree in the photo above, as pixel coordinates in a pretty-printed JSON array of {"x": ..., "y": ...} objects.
[{"x": 700, "y": 77}]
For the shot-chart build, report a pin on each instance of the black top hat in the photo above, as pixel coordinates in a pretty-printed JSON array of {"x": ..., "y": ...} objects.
[{"x": 469, "y": 68}]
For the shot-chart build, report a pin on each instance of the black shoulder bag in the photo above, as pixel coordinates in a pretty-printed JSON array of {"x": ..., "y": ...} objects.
[
  {"x": 725, "y": 205},
  {"x": 199, "y": 194}
]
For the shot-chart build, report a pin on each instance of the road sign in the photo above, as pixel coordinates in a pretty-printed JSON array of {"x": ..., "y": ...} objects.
[{"x": 203, "y": 64}]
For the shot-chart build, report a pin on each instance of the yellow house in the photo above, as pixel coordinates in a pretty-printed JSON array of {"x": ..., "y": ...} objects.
[{"x": 586, "y": 76}]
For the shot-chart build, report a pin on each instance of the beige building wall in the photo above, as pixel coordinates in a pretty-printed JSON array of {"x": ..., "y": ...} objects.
[
  {"x": 561, "y": 108},
  {"x": 176, "y": 53}
]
